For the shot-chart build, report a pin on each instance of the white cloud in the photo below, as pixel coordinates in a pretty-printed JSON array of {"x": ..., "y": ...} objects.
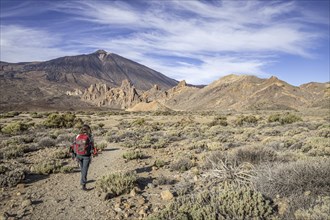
[
  {"x": 215, "y": 34},
  {"x": 20, "y": 44}
]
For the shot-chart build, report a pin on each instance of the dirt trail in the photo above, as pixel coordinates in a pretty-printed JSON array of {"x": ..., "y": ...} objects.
[{"x": 60, "y": 196}]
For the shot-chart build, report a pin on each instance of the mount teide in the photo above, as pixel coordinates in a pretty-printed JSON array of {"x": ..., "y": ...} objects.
[{"x": 43, "y": 84}]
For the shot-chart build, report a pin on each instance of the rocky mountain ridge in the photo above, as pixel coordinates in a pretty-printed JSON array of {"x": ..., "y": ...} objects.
[{"x": 232, "y": 92}]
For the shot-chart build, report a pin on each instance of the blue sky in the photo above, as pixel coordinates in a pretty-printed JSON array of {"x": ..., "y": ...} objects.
[{"x": 199, "y": 41}]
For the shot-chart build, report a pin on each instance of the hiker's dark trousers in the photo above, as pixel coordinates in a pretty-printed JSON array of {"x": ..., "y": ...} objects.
[{"x": 84, "y": 165}]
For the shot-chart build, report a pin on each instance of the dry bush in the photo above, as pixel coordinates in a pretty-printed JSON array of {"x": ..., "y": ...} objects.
[
  {"x": 294, "y": 178},
  {"x": 12, "y": 152},
  {"x": 255, "y": 154},
  {"x": 163, "y": 180},
  {"x": 227, "y": 203},
  {"x": 318, "y": 210},
  {"x": 225, "y": 169},
  {"x": 11, "y": 174},
  {"x": 182, "y": 164},
  {"x": 317, "y": 146},
  {"x": 117, "y": 183},
  {"x": 47, "y": 142}
]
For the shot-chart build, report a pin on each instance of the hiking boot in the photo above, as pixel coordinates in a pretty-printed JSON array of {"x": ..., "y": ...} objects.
[{"x": 83, "y": 187}]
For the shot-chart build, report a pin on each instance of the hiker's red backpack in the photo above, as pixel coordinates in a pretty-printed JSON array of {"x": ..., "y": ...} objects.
[{"x": 82, "y": 145}]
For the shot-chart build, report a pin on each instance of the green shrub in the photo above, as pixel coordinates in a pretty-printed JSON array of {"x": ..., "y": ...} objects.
[
  {"x": 159, "y": 163},
  {"x": 101, "y": 146},
  {"x": 47, "y": 167},
  {"x": 61, "y": 153},
  {"x": 67, "y": 169},
  {"x": 15, "y": 128},
  {"x": 132, "y": 155},
  {"x": 287, "y": 118},
  {"x": 9, "y": 114},
  {"x": 246, "y": 120},
  {"x": 139, "y": 122},
  {"x": 319, "y": 210},
  {"x": 36, "y": 115},
  {"x": 67, "y": 120},
  {"x": 117, "y": 183},
  {"x": 227, "y": 203}
]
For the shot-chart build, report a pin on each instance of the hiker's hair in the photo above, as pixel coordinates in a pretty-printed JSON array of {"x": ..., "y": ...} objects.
[{"x": 85, "y": 129}]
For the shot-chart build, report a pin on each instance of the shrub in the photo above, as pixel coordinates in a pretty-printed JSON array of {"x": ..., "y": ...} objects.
[
  {"x": 294, "y": 178},
  {"x": 227, "y": 170},
  {"x": 317, "y": 146},
  {"x": 46, "y": 142},
  {"x": 101, "y": 146},
  {"x": 67, "y": 120},
  {"x": 9, "y": 114},
  {"x": 139, "y": 122},
  {"x": 219, "y": 120},
  {"x": 67, "y": 169},
  {"x": 61, "y": 153},
  {"x": 182, "y": 164},
  {"x": 246, "y": 120},
  {"x": 47, "y": 167},
  {"x": 15, "y": 128},
  {"x": 36, "y": 115},
  {"x": 256, "y": 155},
  {"x": 117, "y": 183},
  {"x": 319, "y": 210},
  {"x": 227, "y": 203},
  {"x": 132, "y": 155},
  {"x": 10, "y": 175},
  {"x": 159, "y": 163},
  {"x": 12, "y": 152},
  {"x": 287, "y": 118}
]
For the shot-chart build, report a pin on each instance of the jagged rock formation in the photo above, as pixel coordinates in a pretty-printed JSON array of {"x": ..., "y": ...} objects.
[{"x": 119, "y": 98}]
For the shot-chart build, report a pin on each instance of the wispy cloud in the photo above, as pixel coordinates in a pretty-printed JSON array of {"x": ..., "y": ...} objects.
[
  {"x": 216, "y": 38},
  {"x": 20, "y": 44}
]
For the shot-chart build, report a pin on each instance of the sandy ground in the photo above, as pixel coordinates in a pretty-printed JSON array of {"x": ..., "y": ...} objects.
[{"x": 60, "y": 196}]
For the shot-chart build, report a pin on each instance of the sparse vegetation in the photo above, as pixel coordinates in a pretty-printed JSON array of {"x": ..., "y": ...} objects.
[
  {"x": 287, "y": 118},
  {"x": 182, "y": 164},
  {"x": 67, "y": 120},
  {"x": 15, "y": 128},
  {"x": 47, "y": 167},
  {"x": 246, "y": 120},
  {"x": 117, "y": 183},
  {"x": 132, "y": 155},
  {"x": 227, "y": 203}
]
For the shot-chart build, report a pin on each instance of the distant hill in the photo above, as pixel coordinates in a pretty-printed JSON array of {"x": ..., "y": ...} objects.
[{"x": 244, "y": 92}]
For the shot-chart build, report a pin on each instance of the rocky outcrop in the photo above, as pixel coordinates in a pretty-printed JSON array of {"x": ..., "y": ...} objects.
[{"x": 119, "y": 98}]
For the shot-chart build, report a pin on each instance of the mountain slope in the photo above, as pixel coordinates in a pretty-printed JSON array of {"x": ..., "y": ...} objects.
[
  {"x": 27, "y": 84},
  {"x": 243, "y": 92}
]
